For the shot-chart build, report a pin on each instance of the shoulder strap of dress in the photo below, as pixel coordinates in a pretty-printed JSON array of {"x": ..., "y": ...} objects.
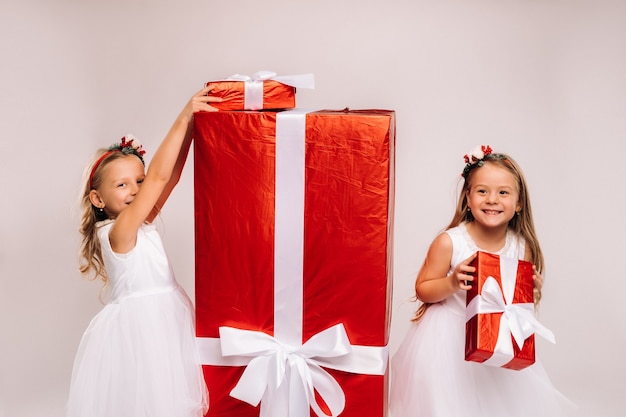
[
  {"x": 521, "y": 242},
  {"x": 103, "y": 229},
  {"x": 517, "y": 247},
  {"x": 458, "y": 244}
]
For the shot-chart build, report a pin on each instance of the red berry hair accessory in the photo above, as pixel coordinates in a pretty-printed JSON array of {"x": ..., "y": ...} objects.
[
  {"x": 128, "y": 145},
  {"x": 475, "y": 158}
]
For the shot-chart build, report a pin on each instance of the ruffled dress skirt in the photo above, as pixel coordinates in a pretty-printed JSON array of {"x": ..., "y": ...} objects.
[
  {"x": 138, "y": 358},
  {"x": 430, "y": 377}
]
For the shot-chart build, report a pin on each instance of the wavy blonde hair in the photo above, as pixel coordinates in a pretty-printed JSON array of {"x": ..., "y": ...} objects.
[
  {"x": 91, "y": 262},
  {"x": 523, "y": 224}
]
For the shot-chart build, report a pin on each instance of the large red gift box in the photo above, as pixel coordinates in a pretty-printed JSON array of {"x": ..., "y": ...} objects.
[
  {"x": 294, "y": 220},
  {"x": 500, "y": 317},
  {"x": 264, "y": 90}
]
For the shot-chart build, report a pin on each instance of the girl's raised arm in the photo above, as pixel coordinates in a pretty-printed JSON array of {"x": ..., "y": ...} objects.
[
  {"x": 175, "y": 177},
  {"x": 161, "y": 176}
]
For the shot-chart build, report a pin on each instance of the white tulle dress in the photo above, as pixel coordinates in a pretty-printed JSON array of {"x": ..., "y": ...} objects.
[
  {"x": 429, "y": 374},
  {"x": 138, "y": 357}
]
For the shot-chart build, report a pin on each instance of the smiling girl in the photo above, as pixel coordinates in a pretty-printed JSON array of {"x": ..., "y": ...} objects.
[
  {"x": 138, "y": 356},
  {"x": 429, "y": 375}
]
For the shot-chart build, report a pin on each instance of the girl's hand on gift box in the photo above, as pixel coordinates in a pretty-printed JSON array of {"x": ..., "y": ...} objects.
[
  {"x": 199, "y": 102},
  {"x": 462, "y": 276},
  {"x": 538, "y": 281},
  {"x": 434, "y": 281}
]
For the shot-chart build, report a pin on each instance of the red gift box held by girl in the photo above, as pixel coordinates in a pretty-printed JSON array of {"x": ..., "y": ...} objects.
[{"x": 501, "y": 326}]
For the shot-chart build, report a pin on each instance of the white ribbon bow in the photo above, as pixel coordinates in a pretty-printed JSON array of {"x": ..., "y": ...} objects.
[
  {"x": 282, "y": 377},
  {"x": 517, "y": 319},
  {"x": 286, "y": 377},
  {"x": 298, "y": 80},
  {"x": 253, "y": 88}
]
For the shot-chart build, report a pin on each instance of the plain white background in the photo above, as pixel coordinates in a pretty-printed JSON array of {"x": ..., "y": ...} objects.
[{"x": 543, "y": 80}]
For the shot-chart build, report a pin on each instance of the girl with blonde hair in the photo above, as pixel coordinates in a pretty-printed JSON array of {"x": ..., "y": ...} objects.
[
  {"x": 429, "y": 374},
  {"x": 138, "y": 356}
]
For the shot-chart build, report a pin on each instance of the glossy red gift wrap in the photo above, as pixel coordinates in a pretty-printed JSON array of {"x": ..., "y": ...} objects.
[
  {"x": 264, "y": 90},
  {"x": 232, "y": 93},
  {"x": 483, "y": 330},
  {"x": 346, "y": 244}
]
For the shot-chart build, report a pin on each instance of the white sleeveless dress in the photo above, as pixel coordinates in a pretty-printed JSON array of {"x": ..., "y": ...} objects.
[
  {"x": 138, "y": 357},
  {"x": 429, "y": 374}
]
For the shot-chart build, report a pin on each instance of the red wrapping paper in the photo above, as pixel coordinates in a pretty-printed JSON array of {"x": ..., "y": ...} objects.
[
  {"x": 275, "y": 95},
  {"x": 482, "y": 330},
  {"x": 348, "y": 221}
]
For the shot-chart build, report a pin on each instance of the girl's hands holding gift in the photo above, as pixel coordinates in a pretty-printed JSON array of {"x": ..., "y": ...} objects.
[
  {"x": 538, "y": 281},
  {"x": 462, "y": 276},
  {"x": 199, "y": 102},
  {"x": 434, "y": 281}
]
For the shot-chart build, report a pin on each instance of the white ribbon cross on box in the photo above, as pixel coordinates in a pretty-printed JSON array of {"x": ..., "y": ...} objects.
[
  {"x": 517, "y": 319},
  {"x": 253, "y": 85},
  {"x": 281, "y": 372}
]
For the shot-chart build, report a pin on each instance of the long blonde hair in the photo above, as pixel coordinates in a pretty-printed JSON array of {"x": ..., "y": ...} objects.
[
  {"x": 523, "y": 224},
  {"x": 91, "y": 263}
]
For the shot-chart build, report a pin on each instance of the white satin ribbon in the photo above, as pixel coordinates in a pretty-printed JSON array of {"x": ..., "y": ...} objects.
[
  {"x": 517, "y": 319},
  {"x": 285, "y": 377},
  {"x": 253, "y": 87},
  {"x": 289, "y": 225},
  {"x": 282, "y": 373}
]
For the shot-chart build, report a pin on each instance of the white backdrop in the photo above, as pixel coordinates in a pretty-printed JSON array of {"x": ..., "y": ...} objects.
[{"x": 542, "y": 80}]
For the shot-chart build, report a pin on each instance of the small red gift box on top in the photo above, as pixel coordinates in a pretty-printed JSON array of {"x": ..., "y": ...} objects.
[
  {"x": 294, "y": 215},
  {"x": 500, "y": 317},
  {"x": 262, "y": 91}
]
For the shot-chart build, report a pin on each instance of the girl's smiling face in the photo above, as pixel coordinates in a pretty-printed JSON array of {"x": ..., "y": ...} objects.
[
  {"x": 493, "y": 197},
  {"x": 120, "y": 182}
]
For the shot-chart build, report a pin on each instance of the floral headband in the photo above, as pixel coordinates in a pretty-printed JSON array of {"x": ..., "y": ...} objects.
[
  {"x": 475, "y": 158},
  {"x": 128, "y": 145}
]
